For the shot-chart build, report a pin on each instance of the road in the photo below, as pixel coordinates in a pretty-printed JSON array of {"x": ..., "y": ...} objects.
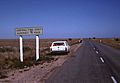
[{"x": 92, "y": 63}]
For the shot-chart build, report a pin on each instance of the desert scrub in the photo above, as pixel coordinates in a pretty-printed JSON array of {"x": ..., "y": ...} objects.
[
  {"x": 26, "y": 48},
  {"x": 30, "y": 62},
  {"x": 116, "y": 39},
  {"x": 6, "y": 49},
  {"x": 113, "y": 42},
  {"x": 46, "y": 58},
  {"x": 2, "y": 75}
]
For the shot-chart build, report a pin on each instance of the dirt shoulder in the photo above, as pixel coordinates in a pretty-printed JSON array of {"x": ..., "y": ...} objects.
[{"x": 37, "y": 73}]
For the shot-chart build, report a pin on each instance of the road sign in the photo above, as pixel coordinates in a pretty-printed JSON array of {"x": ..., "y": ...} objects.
[{"x": 29, "y": 31}]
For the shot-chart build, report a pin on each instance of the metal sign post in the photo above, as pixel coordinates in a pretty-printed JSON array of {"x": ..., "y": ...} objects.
[
  {"x": 37, "y": 47},
  {"x": 29, "y": 31},
  {"x": 21, "y": 49}
]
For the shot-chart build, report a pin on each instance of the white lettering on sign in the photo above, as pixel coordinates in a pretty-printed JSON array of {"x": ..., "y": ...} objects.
[{"x": 29, "y": 31}]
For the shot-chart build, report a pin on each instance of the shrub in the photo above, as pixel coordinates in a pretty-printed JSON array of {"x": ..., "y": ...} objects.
[
  {"x": 26, "y": 49},
  {"x": 116, "y": 39},
  {"x": 70, "y": 39},
  {"x": 2, "y": 50},
  {"x": 5, "y": 49},
  {"x": 94, "y": 38}
]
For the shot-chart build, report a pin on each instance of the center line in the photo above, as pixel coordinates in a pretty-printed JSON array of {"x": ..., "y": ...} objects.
[
  {"x": 113, "y": 79},
  {"x": 102, "y": 59}
]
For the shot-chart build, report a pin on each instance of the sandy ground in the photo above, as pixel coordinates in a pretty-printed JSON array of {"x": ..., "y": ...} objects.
[{"x": 37, "y": 74}]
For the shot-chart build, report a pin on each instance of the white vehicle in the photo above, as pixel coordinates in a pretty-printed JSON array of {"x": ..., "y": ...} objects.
[{"x": 60, "y": 46}]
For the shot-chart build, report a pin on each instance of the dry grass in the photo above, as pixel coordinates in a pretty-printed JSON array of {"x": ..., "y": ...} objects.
[
  {"x": 9, "y": 53},
  {"x": 113, "y": 42}
]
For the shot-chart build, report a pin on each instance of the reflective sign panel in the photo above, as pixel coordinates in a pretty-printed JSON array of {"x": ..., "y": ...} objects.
[{"x": 29, "y": 31}]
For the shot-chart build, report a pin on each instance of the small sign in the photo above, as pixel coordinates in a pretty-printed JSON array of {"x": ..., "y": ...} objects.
[{"x": 29, "y": 31}]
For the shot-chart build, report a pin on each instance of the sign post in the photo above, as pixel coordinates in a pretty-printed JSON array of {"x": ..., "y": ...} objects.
[
  {"x": 37, "y": 47},
  {"x": 29, "y": 31},
  {"x": 21, "y": 49}
]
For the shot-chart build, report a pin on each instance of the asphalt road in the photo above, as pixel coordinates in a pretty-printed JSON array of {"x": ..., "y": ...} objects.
[{"x": 92, "y": 63}]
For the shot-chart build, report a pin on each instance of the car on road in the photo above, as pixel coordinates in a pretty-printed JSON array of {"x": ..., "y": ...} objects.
[{"x": 59, "y": 46}]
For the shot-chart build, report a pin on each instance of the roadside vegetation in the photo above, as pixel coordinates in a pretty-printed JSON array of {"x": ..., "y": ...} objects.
[
  {"x": 9, "y": 53},
  {"x": 113, "y": 42}
]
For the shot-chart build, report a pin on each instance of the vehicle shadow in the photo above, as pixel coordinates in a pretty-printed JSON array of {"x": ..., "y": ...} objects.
[{"x": 57, "y": 54}]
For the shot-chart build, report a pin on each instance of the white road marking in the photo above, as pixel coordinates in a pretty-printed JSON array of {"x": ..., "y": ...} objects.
[
  {"x": 97, "y": 52},
  {"x": 102, "y": 59},
  {"x": 94, "y": 48},
  {"x": 113, "y": 79}
]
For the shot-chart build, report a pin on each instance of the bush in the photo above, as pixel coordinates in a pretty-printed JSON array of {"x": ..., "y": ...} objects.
[
  {"x": 94, "y": 38},
  {"x": 20, "y": 65},
  {"x": 70, "y": 39},
  {"x": 116, "y": 39},
  {"x": 5, "y": 49},
  {"x": 89, "y": 38},
  {"x": 2, "y": 50},
  {"x": 26, "y": 48}
]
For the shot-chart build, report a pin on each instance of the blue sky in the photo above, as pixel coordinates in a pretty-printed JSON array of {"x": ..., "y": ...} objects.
[{"x": 61, "y": 18}]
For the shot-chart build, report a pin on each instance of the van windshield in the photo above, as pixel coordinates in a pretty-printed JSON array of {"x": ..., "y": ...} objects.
[{"x": 58, "y": 44}]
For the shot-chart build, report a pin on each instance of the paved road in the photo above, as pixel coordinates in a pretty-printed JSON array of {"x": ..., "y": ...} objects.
[{"x": 92, "y": 63}]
